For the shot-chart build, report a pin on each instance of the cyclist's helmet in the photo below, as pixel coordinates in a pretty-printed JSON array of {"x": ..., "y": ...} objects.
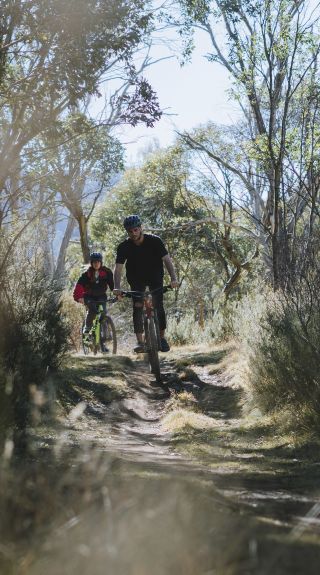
[
  {"x": 95, "y": 257},
  {"x": 131, "y": 222}
]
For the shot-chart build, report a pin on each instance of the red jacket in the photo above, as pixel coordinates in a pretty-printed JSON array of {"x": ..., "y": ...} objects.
[{"x": 90, "y": 284}]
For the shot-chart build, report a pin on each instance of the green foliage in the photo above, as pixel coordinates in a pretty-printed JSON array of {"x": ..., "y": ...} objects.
[
  {"x": 33, "y": 340},
  {"x": 54, "y": 56},
  {"x": 280, "y": 336},
  {"x": 270, "y": 49},
  {"x": 187, "y": 330},
  {"x": 285, "y": 370},
  {"x": 35, "y": 336},
  {"x": 87, "y": 146},
  {"x": 195, "y": 10},
  {"x": 33, "y": 332},
  {"x": 161, "y": 176},
  {"x": 169, "y": 193},
  {"x": 72, "y": 40}
]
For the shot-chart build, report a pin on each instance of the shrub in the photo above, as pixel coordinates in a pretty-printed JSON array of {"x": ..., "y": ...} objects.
[
  {"x": 33, "y": 340},
  {"x": 280, "y": 335},
  {"x": 73, "y": 314},
  {"x": 186, "y": 330}
]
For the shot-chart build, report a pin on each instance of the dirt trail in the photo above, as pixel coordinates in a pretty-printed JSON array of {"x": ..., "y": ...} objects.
[
  {"x": 133, "y": 424},
  {"x": 165, "y": 480}
]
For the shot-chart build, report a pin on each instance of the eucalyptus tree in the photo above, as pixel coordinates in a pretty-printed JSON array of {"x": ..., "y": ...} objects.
[
  {"x": 194, "y": 216},
  {"x": 53, "y": 56},
  {"x": 270, "y": 49},
  {"x": 65, "y": 185},
  {"x": 83, "y": 169}
]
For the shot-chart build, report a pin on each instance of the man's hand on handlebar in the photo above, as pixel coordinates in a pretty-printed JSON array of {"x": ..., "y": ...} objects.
[
  {"x": 118, "y": 293},
  {"x": 81, "y": 300},
  {"x": 174, "y": 284}
]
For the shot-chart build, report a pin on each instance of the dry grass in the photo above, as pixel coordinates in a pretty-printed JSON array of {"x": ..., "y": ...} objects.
[
  {"x": 86, "y": 378},
  {"x": 184, "y": 419}
]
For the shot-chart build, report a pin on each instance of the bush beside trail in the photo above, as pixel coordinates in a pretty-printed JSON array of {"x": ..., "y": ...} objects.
[
  {"x": 279, "y": 335},
  {"x": 34, "y": 339}
]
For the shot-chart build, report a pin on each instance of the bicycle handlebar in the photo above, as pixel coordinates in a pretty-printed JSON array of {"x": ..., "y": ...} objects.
[
  {"x": 141, "y": 294},
  {"x": 102, "y": 301}
]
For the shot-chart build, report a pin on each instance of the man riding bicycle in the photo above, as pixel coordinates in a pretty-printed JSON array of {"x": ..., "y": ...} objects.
[
  {"x": 144, "y": 256},
  {"x": 91, "y": 288}
]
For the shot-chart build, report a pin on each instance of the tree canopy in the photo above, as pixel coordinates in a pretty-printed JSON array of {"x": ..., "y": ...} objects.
[
  {"x": 54, "y": 57},
  {"x": 271, "y": 50}
]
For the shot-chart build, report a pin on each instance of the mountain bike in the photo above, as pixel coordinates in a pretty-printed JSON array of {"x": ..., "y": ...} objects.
[
  {"x": 102, "y": 335},
  {"x": 151, "y": 328}
]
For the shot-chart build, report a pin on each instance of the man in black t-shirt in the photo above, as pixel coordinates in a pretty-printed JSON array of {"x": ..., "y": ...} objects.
[{"x": 144, "y": 256}]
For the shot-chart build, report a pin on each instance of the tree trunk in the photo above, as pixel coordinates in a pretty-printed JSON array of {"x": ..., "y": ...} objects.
[
  {"x": 84, "y": 241},
  {"x": 276, "y": 256},
  {"x": 60, "y": 270}
]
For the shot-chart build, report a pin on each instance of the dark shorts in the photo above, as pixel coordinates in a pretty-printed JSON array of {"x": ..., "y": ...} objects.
[{"x": 157, "y": 302}]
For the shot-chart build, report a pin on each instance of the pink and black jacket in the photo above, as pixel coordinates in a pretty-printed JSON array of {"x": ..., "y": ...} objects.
[{"x": 93, "y": 284}]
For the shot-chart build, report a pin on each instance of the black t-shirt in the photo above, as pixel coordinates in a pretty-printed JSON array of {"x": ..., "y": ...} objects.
[{"x": 143, "y": 262}]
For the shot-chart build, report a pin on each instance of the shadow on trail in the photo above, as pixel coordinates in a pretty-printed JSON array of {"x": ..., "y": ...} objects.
[
  {"x": 128, "y": 503},
  {"x": 80, "y": 510},
  {"x": 103, "y": 511},
  {"x": 213, "y": 398},
  {"x": 201, "y": 359}
]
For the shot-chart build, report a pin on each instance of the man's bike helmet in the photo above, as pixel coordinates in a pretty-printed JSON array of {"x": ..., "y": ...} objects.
[
  {"x": 131, "y": 222},
  {"x": 95, "y": 257}
]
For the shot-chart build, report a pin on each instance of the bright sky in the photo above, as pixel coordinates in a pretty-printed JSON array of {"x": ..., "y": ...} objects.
[{"x": 189, "y": 95}]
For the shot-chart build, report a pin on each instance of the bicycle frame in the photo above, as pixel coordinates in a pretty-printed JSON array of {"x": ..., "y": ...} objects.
[
  {"x": 94, "y": 337},
  {"x": 146, "y": 297},
  {"x": 150, "y": 311},
  {"x": 96, "y": 325},
  {"x": 151, "y": 327}
]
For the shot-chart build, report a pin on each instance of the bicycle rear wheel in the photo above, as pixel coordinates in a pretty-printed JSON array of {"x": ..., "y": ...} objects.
[
  {"x": 152, "y": 348},
  {"x": 109, "y": 334}
]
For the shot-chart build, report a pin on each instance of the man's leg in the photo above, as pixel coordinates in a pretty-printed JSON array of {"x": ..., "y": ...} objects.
[
  {"x": 137, "y": 309},
  {"x": 157, "y": 298}
]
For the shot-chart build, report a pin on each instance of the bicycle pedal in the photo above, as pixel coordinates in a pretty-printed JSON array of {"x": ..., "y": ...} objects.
[{"x": 140, "y": 348}]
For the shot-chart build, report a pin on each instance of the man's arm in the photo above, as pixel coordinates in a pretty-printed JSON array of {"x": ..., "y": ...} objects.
[
  {"x": 171, "y": 271},
  {"x": 117, "y": 277}
]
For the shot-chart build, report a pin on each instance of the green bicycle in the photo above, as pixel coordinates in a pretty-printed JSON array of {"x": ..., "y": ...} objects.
[{"x": 102, "y": 336}]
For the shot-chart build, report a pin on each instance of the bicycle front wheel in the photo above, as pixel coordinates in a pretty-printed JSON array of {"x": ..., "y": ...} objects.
[
  {"x": 110, "y": 335},
  {"x": 152, "y": 348},
  {"x": 156, "y": 323},
  {"x": 85, "y": 343}
]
